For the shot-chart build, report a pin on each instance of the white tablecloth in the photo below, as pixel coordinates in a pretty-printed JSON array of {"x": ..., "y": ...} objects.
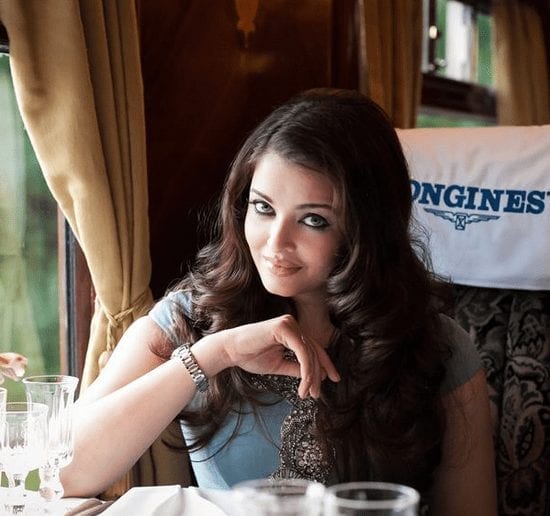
[{"x": 167, "y": 501}]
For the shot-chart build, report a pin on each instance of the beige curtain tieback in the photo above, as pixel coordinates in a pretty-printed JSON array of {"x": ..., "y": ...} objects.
[{"x": 114, "y": 322}]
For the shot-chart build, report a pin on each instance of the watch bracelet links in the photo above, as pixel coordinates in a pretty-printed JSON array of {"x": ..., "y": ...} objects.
[{"x": 184, "y": 354}]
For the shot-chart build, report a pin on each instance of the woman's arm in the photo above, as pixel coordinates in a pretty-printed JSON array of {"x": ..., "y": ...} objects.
[
  {"x": 465, "y": 481},
  {"x": 138, "y": 394}
]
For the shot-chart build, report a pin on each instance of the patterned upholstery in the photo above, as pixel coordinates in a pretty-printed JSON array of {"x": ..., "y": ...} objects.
[{"x": 512, "y": 331}]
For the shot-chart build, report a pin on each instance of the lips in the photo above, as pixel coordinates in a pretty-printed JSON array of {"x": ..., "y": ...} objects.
[{"x": 281, "y": 267}]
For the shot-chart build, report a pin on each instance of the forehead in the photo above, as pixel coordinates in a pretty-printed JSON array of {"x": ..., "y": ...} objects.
[{"x": 276, "y": 176}]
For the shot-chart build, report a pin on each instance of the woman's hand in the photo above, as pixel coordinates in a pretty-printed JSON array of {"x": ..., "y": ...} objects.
[{"x": 260, "y": 348}]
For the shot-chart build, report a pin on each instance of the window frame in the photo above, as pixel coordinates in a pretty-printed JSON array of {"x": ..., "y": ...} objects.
[
  {"x": 76, "y": 300},
  {"x": 75, "y": 289},
  {"x": 4, "y": 41},
  {"x": 461, "y": 97}
]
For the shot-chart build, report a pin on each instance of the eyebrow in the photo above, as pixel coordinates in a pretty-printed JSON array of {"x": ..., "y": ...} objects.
[{"x": 308, "y": 205}]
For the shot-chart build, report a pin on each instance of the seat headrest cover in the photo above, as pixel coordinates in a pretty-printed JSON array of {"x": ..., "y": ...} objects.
[{"x": 483, "y": 195}]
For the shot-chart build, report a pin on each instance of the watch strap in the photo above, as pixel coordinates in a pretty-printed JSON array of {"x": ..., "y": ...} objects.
[{"x": 184, "y": 354}]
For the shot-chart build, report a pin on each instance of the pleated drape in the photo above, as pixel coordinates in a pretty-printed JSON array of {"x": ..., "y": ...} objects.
[
  {"x": 521, "y": 67},
  {"x": 390, "y": 56},
  {"x": 77, "y": 77}
]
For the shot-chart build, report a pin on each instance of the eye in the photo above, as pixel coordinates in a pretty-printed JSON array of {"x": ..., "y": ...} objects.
[
  {"x": 262, "y": 207},
  {"x": 315, "y": 221}
]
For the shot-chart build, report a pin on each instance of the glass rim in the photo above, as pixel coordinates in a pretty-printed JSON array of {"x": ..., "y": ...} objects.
[
  {"x": 411, "y": 495},
  {"x": 39, "y": 407},
  {"x": 51, "y": 379},
  {"x": 277, "y": 482},
  {"x": 280, "y": 487}
]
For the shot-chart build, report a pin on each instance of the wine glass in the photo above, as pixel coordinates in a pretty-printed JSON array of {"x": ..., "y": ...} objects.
[
  {"x": 22, "y": 449},
  {"x": 278, "y": 497},
  {"x": 57, "y": 392},
  {"x": 371, "y": 498},
  {"x": 3, "y": 400}
]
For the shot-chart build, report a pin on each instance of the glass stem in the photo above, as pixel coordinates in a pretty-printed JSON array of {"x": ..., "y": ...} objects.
[
  {"x": 16, "y": 482},
  {"x": 16, "y": 495},
  {"x": 51, "y": 488}
]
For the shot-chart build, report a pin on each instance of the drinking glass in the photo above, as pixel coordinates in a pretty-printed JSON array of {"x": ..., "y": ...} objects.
[
  {"x": 22, "y": 449},
  {"x": 3, "y": 400},
  {"x": 57, "y": 392},
  {"x": 278, "y": 497},
  {"x": 370, "y": 499}
]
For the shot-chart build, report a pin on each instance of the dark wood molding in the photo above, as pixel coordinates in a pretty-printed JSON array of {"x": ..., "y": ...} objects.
[
  {"x": 463, "y": 97},
  {"x": 483, "y": 6},
  {"x": 76, "y": 301},
  {"x": 4, "y": 40},
  {"x": 345, "y": 37}
]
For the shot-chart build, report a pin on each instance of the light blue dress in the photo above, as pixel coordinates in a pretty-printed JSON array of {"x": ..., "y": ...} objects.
[{"x": 254, "y": 452}]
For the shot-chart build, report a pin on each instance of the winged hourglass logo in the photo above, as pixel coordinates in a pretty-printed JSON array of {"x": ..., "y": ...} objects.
[{"x": 461, "y": 219}]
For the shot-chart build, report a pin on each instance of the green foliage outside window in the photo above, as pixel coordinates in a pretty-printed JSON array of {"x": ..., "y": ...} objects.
[
  {"x": 29, "y": 300},
  {"x": 483, "y": 52}
]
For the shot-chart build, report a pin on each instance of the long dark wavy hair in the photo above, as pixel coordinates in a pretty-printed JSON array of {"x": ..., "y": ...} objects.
[{"x": 389, "y": 346}]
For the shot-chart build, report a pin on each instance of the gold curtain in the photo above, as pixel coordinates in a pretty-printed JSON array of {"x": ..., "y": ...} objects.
[
  {"x": 390, "y": 56},
  {"x": 521, "y": 70},
  {"x": 77, "y": 77}
]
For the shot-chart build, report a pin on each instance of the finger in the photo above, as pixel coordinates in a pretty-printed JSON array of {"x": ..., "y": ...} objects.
[
  {"x": 315, "y": 388},
  {"x": 289, "y": 368},
  {"x": 328, "y": 366},
  {"x": 295, "y": 343}
]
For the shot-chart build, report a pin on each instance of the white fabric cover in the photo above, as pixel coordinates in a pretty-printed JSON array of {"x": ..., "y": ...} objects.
[
  {"x": 483, "y": 195},
  {"x": 169, "y": 500}
]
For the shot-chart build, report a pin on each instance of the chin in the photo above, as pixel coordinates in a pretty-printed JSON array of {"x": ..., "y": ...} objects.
[
  {"x": 278, "y": 289},
  {"x": 281, "y": 292}
]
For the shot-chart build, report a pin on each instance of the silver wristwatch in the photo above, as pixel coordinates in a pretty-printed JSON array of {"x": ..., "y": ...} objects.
[{"x": 183, "y": 352}]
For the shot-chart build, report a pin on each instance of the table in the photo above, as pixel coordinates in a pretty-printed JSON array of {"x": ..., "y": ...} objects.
[{"x": 157, "y": 501}]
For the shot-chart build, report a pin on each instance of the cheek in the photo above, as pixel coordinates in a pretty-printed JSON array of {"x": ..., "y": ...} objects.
[
  {"x": 330, "y": 252},
  {"x": 250, "y": 233}
]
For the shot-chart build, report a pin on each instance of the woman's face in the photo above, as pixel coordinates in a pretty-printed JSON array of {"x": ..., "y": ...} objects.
[{"x": 292, "y": 228}]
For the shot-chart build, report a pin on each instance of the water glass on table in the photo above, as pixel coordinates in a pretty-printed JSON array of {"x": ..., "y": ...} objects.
[
  {"x": 57, "y": 393},
  {"x": 22, "y": 449},
  {"x": 371, "y": 499},
  {"x": 3, "y": 401},
  {"x": 278, "y": 497}
]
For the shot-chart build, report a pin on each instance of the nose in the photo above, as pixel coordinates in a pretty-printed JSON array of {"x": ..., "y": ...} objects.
[{"x": 281, "y": 237}]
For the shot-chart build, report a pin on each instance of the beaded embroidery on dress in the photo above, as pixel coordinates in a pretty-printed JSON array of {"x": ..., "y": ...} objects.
[{"x": 302, "y": 455}]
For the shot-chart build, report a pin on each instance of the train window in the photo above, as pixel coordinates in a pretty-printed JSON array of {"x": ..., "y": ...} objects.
[
  {"x": 29, "y": 307},
  {"x": 457, "y": 64},
  {"x": 40, "y": 262}
]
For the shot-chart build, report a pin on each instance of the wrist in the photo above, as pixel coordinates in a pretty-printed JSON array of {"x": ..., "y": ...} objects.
[
  {"x": 210, "y": 354},
  {"x": 186, "y": 356}
]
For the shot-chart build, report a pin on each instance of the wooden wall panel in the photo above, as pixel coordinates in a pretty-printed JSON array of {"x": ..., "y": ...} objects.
[{"x": 212, "y": 69}]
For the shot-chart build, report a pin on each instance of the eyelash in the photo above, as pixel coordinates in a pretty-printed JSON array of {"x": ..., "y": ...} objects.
[
  {"x": 323, "y": 223},
  {"x": 258, "y": 211}
]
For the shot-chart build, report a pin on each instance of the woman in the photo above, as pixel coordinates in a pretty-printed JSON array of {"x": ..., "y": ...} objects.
[{"x": 317, "y": 346}]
